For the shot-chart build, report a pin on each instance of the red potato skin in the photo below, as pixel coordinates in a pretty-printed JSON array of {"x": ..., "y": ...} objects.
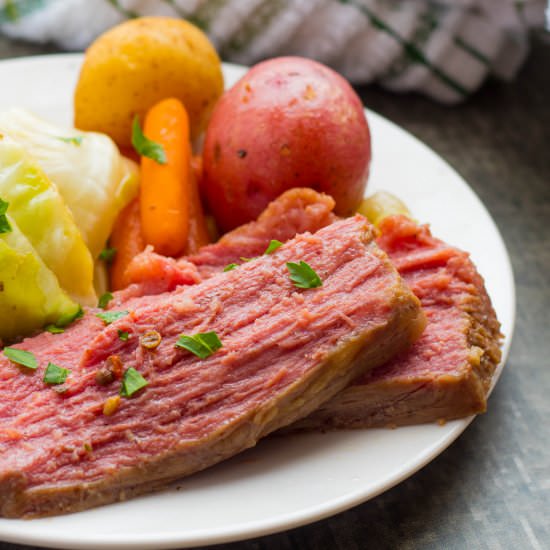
[{"x": 289, "y": 122}]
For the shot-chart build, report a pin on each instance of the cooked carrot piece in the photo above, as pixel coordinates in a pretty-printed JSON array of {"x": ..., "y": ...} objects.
[
  {"x": 198, "y": 230},
  {"x": 127, "y": 239},
  {"x": 165, "y": 188}
]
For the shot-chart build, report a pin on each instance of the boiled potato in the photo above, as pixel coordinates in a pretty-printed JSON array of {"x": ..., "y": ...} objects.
[
  {"x": 136, "y": 64},
  {"x": 289, "y": 122}
]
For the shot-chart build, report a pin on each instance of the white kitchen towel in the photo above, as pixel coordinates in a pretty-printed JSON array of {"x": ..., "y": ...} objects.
[{"x": 442, "y": 48}]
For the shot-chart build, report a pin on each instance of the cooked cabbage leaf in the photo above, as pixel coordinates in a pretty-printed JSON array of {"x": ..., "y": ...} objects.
[
  {"x": 30, "y": 295},
  {"x": 95, "y": 181},
  {"x": 42, "y": 216}
]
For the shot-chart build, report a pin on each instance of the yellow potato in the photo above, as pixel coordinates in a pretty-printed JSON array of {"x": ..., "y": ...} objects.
[{"x": 135, "y": 64}]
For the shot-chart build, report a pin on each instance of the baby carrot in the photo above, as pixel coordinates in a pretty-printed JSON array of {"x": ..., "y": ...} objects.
[
  {"x": 127, "y": 240},
  {"x": 165, "y": 188},
  {"x": 198, "y": 230}
]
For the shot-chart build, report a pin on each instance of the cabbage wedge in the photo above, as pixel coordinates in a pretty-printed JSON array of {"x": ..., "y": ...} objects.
[
  {"x": 39, "y": 211},
  {"x": 30, "y": 295},
  {"x": 95, "y": 181}
]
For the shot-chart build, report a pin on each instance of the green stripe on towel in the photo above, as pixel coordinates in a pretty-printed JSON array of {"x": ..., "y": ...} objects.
[
  {"x": 122, "y": 10},
  {"x": 461, "y": 43},
  {"x": 412, "y": 51},
  {"x": 255, "y": 24},
  {"x": 13, "y": 10}
]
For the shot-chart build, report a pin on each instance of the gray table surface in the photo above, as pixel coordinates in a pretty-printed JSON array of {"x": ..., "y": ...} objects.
[{"x": 491, "y": 488}]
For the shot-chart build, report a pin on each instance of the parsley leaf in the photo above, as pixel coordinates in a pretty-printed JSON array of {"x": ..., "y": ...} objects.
[
  {"x": 104, "y": 300},
  {"x": 107, "y": 254},
  {"x": 55, "y": 375},
  {"x": 76, "y": 140},
  {"x": 111, "y": 316},
  {"x": 54, "y": 329},
  {"x": 123, "y": 335},
  {"x": 132, "y": 382},
  {"x": 303, "y": 276},
  {"x": 273, "y": 245},
  {"x": 21, "y": 357},
  {"x": 230, "y": 267},
  {"x": 5, "y": 226},
  {"x": 68, "y": 318},
  {"x": 202, "y": 345},
  {"x": 146, "y": 147}
]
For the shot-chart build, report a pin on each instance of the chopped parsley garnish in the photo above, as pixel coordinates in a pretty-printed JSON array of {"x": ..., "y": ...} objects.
[
  {"x": 202, "y": 345},
  {"x": 230, "y": 267},
  {"x": 273, "y": 245},
  {"x": 76, "y": 140},
  {"x": 54, "y": 329},
  {"x": 63, "y": 321},
  {"x": 243, "y": 259},
  {"x": 107, "y": 254},
  {"x": 5, "y": 226},
  {"x": 104, "y": 300},
  {"x": 145, "y": 146},
  {"x": 109, "y": 317},
  {"x": 132, "y": 382},
  {"x": 67, "y": 319},
  {"x": 55, "y": 375},
  {"x": 21, "y": 357},
  {"x": 123, "y": 335},
  {"x": 303, "y": 276}
]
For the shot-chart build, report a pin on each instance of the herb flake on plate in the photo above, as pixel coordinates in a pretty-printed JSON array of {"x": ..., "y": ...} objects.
[
  {"x": 67, "y": 319},
  {"x": 132, "y": 382},
  {"x": 104, "y": 300},
  {"x": 109, "y": 317},
  {"x": 75, "y": 140},
  {"x": 107, "y": 254},
  {"x": 202, "y": 345},
  {"x": 5, "y": 226},
  {"x": 21, "y": 357},
  {"x": 303, "y": 275},
  {"x": 54, "y": 374},
  {"x": 146, "y": 147},
  {"x": 54, "y": 329},
  {"x": 274, "y": 244}
]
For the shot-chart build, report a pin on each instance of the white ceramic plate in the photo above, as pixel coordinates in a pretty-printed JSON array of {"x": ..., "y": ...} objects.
[{"x": 282, "y": 483}]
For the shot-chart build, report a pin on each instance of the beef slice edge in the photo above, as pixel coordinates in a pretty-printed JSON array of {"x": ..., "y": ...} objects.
[{"x": 447, "y": 373}]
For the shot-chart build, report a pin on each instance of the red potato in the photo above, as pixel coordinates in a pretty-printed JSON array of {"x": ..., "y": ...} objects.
[{"x": 289, "y": 122}]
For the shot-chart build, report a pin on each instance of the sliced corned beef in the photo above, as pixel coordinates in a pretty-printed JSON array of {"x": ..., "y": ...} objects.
[
  {"x": 285, "y": 351},
  {"x": 295, "y": 211},
  {"x": 447, "y": 373}
]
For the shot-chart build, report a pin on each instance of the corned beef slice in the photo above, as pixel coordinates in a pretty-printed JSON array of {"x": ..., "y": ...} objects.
[
  {"x": 285, "y": 351},
  {"x": 295, "y": 211},
  {"x": 447, "y": 373}
]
